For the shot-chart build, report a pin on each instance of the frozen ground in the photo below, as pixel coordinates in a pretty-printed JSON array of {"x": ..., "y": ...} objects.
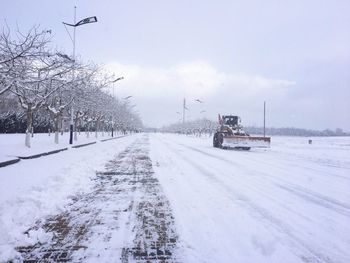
[{"x": 175, "y": 198}]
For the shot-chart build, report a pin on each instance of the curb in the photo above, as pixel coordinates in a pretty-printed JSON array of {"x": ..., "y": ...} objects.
[
  {"x": 104, "y": 140},
  {"x": 82, "y": 145},
  {"x": 13, "y": 161},
  {"x": 3, "y": 164},
  {"x": 41, "y": 154}
]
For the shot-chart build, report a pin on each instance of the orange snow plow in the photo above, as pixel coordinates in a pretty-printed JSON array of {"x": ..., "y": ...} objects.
[{"x": 230, "y": 134}]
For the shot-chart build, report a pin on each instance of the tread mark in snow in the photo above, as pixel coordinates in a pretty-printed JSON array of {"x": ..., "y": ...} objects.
[
  {"x": 127, "y": 189},
  {"x": 298, "y": 191},
  {"x": 299, "y": 246},
  {"x": 155, "y": 237}
]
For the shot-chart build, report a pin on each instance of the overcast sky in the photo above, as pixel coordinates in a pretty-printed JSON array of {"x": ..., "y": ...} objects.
[{"x": 231, "y": 54}]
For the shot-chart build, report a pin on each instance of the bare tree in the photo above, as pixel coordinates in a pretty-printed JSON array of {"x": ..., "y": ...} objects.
[
  {"x": 14, "y": 52},
  {"x": 30, "y": 69}
]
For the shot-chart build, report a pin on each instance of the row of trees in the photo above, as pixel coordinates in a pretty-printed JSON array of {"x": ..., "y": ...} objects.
[
  {"x": 37, "y": 78},
  {"x": 295, "y": 131},
  {"x": 197, "y": 127}
]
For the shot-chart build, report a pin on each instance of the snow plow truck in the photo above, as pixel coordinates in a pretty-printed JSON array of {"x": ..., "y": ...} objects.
[{"x": 230, "y": 134}]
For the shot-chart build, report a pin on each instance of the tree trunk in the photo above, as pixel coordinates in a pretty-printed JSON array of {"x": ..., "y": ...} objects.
[
  {"x": 80, "y": 125},
  {"x": 76, "y": 126},
  {"x": 62, "y": 126},
  {"x": 75, "y": 131},
  {"x": 29, "y": 126},
  {"x": 27, "y": 141},
  {"x": 57, "y": 121},
  {"x": 57, "y": 137},
  {"x": 96, "y": 129}
]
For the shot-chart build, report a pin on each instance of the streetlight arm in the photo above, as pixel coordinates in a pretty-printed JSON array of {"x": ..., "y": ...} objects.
[
  {"x": 117, "y": 79},
  {"x": 92, "y": 19}
]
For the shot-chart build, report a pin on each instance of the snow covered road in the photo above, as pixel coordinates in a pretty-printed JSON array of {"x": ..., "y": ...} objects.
[
  {"x": 279, "y": 205},
  {"x": 174, "y": 198},
  {"x": 125, "y": 217}
]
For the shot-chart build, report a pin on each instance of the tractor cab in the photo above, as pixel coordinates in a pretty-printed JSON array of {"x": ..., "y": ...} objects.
[{"x": 230, "y": 120}]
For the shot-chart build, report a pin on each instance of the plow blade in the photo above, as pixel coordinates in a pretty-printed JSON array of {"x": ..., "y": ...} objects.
[{"x": 246, "y": 142}]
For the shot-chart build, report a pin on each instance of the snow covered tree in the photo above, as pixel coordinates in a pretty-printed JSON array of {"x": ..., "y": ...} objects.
[
  {"x": 29, "y": 69},
  {"x": 14, "y": 52},
  {"x": 43, "y": 81}
]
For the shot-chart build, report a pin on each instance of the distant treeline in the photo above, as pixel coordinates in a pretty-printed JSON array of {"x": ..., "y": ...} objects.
[
  {"x": 210, "y": 126},
  {"x": 296, "y": 131}
]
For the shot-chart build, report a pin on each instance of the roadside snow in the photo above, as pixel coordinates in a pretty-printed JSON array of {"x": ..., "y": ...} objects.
[
  {"x": 33, "y": 189},
  {"x": 12, "y": 145}
]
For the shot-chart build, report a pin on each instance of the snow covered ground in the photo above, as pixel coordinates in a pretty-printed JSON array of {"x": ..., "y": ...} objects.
[
  {"x": 12, "y": 145},
  {"x": 33, "y": 189},
  {"x": 290, "y": 203},
  {"x": 175, "y": 197}
]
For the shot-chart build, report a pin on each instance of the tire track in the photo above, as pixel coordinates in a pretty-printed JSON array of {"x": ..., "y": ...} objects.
[
  {"x": 301, "y": 192},
  {"x": 303, "y": 250}
]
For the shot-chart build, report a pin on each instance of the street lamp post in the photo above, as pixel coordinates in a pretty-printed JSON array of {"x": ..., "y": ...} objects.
[
  {"x": 184, "y": 109},
  {"x": 126, "y": 100},
  {"x": 71, "y": 125},
  {"x": 114, "y": 81},
  {"x": 200, "y": 102},
  {"x": 180, "y": 115},
  {"x": 87, "y": 20},
  {"x": 264, "y": 116},
  {"x": 112, "y": 125}
]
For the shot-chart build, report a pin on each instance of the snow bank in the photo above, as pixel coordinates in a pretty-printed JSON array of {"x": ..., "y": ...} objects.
[{"x": 34, "y": 189}]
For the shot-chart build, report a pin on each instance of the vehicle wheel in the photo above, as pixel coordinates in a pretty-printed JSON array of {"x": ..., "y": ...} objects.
[
  {"x": 220, "y": 140},
  {"x": 215, "y": 140}
]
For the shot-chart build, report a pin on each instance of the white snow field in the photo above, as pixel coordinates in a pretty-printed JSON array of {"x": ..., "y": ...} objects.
[{"x": 289, "y": 203}]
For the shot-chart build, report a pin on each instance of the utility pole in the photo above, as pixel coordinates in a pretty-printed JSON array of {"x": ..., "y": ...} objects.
[
  {"x": 264, "y": 116},
  {"x": 183, "y": 111}
]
